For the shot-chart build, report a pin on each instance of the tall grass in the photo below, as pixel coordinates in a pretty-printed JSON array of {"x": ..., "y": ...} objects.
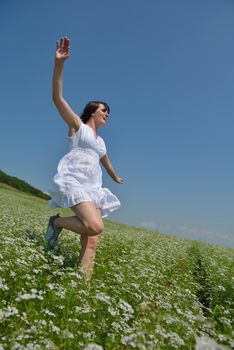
[{"x": 148, "y": 291}]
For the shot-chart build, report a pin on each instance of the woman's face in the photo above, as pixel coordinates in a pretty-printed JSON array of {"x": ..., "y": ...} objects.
[{"x": 101, "y": 115}]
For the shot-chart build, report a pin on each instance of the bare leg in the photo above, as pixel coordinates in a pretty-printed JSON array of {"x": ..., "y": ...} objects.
[
  {"x": 87, "y": 254},
  {"x": 88, "y": 223},
  {"x": 88, "y": 250}
]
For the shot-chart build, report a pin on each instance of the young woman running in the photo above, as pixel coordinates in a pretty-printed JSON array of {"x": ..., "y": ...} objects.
[{"x": 78, "y": 182}]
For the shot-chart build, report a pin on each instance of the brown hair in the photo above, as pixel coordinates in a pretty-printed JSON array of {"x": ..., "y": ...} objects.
[{"x": 90, "y": 108}]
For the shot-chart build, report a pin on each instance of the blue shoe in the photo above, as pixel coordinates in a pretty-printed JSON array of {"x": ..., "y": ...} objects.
[{"x": 52, "y": 232}]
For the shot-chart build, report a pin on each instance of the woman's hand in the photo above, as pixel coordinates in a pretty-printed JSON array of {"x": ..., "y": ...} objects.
[
  {"x": 62, "y": 49},
  {"x": 119, "y": 180}
]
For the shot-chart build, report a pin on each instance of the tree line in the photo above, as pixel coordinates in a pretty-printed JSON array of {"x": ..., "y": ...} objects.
[{"x": 21, "y": 185}]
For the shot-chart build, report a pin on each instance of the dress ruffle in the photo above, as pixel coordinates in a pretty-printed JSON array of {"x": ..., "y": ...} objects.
[{"x": 102, "y": 198}]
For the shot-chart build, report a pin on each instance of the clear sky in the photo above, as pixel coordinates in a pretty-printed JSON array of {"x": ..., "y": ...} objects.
[{"x": 165, "y": 67}]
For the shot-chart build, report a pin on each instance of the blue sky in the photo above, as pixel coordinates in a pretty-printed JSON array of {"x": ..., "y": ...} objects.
[{"x": 165, "y": 67}]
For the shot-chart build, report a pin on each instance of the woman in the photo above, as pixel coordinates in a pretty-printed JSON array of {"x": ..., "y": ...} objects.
[{"x": 78, "y": 182}]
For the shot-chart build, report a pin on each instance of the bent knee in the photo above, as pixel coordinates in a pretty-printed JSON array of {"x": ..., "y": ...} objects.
[{"x": 95, "y": 228}]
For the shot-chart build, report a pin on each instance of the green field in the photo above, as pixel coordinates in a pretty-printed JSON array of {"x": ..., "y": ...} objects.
[{"x": 148, "y": 291}]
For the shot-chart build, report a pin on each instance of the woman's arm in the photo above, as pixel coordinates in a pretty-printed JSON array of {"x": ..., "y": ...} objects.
[
  {"x": 69, "y": 116},
  {"x": 110, "y": 170}
]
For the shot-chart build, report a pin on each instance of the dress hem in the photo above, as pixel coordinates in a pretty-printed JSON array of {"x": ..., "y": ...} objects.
[{"x": 105, "y": 211}]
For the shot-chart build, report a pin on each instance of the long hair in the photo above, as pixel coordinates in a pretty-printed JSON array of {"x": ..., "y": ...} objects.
[{"x": 90, "y": 108}]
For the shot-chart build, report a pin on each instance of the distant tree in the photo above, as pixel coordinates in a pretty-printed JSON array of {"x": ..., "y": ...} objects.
[{"x": 21, "y": 185}]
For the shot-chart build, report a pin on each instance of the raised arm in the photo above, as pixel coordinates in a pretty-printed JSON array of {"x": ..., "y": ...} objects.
[
  {"x": 110, "y": 170},
  {"x": 61, "y": 54}
]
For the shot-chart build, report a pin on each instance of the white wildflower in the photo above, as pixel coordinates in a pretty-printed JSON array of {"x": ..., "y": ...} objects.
[
  {"x": 207, "y": 343},
  {"x": 33, "y": 330},
  {"x": 28, "y": 296},
  {"x": 175, "y": 339},
  {"x": 93, "y": 346},
  {"x": 103, "y": 297},
  {"x": 49, "y": 313},
  {"x": 51, "y": 286},
  {"x": 3, "y": 284},
  {"x": 189, "y": 315},
  {"x": 143, "y": 305},
  {"x": 89, "y": 335},
  {"x": 221, "y": 288},
  {"x": 28, "y": 277},
  {"x": 86, "y": 309},
  {"x": 127, "y": 309},
  {"x": 67, "y": 335},
  {"x": 60, "y": 292},
  {"x": 73, "y": 284},
  {"x": 125, "y": 306},
  {"x": 112, "y": 311},
  {"x": 54, "y": 328},
  {"x": 129, "y": 340},
  {"x": 161, "y": 331},
  {"x": 21, "y": 262},
  {"x": 170, "y": 320},
  {"x": 8, "y": 312},
  {"x": 32, "y": 346},
  {"x": 59, "y": 259},
  {"x": 116, "y": 326},
  {"x": 222, "y": 337},
  {"x": 75, "y": 274}
]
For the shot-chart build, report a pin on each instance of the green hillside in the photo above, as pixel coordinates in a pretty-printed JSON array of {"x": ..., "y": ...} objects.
[
  {"x": 21, "y": 185},
  {"x": 149, "y": 291}
]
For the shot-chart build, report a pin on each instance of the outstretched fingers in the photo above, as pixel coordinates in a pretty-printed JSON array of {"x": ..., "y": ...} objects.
[
  {"x": 63, "y": 43},
  {"x": 63, "y": 47},
  {"x": 66, "y": 43}
]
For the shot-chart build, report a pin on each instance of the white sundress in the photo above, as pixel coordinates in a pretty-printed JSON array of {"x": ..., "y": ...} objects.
[{"x": 79, "y": 174}]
